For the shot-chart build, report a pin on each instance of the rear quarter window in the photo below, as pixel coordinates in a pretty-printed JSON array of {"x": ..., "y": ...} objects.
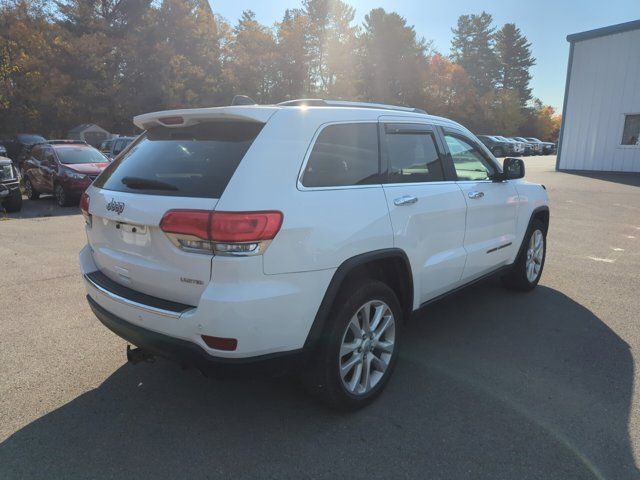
[
  {"x": 344, "y": 155},
  {"x": 194, "y": 161}
]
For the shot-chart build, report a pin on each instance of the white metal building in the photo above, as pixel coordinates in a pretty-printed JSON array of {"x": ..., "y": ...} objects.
[{"x": 601, "y": 112}]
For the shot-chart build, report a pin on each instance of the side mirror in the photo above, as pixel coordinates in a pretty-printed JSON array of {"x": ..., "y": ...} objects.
[{"x": 512, "y": 168}]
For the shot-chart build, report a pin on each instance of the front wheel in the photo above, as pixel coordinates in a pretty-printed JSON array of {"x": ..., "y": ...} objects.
[
  {"x": 31, "y": 192},
  {"x": 360, "y": 347},
  {"x": 14, "y": 203},
  {"x": 527, "y": 269},
  {"x": 62, "y": 197}
]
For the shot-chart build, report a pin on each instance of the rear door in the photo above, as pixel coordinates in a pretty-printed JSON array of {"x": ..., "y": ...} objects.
[
  {"x": 48, "y": 168},
  {"x": 491, "y": 206},
  {"x": 185, "y": 168},
  {"x": 426, "y": 206}
]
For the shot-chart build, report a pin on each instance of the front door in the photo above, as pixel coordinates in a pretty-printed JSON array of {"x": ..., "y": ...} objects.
[
  {"x": 491, "y": 207},
  {"x": 426, "y": 205}
]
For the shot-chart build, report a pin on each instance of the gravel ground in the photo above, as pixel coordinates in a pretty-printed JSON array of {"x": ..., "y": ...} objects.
[{"x": 490, "y": 383}]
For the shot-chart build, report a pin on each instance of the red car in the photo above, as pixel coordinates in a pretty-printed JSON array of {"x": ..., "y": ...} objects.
[{"x": 64, "y": 168}]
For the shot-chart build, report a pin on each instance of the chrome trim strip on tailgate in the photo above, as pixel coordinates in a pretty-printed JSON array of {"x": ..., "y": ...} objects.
[{"x": 131, "y": 303}]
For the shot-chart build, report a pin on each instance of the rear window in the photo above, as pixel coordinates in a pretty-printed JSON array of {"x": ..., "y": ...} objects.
[
  {"x": 194, "y": 161},
  {"x": 76, "y": 155},
  {"x": 344, "y": 154}
]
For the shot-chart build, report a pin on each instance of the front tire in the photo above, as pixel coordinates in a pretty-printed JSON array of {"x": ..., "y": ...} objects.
[
  {"x": 14, "y": 204},
  {"x": 527, "y": 269},
  {"x": 359, "y": 350},
  {"x": 31, "y": 192},
  {"x": 62, "y": 197}
]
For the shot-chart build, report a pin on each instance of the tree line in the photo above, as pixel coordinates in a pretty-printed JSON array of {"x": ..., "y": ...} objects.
[{"x": 65, "y": 62}]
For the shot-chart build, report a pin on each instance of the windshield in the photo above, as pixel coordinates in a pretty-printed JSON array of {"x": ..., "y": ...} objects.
[
  {"x": 30, "y": 139},
  {"x": 75, "y": 155},
  {"x": 6, "y": 172},
  {"x": 194, "y": 161}
]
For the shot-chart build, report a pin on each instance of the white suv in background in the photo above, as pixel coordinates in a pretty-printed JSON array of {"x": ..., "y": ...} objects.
[{"x": 305, "y": 231}]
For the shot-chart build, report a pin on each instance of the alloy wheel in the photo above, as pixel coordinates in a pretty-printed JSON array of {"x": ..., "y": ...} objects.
[
  {"x": 535, "y": 255},
  {"x": 367, "y": 347},
  {"x": 60, "y": 195}
]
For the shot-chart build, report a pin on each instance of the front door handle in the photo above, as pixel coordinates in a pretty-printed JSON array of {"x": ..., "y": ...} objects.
[
  {"x": 476, "y": 195},
  {"x": 405, "y": 200}
]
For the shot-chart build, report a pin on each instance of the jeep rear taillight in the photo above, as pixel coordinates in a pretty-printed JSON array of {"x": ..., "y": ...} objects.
[
  {"x": 84, "y": 208},
  {"x": 223, "y": 233}
]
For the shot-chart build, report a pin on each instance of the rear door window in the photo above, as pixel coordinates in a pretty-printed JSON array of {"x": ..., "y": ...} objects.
[
  {"x": 413, "y": 155},
  {"x": 194, "y": 161},
  {"x": 343, "y": 155}
]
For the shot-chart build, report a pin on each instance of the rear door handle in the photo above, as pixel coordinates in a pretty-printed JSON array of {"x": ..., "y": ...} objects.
[
  {"x": 405, "y": 200},
  {"x": 476, "y": 195}
]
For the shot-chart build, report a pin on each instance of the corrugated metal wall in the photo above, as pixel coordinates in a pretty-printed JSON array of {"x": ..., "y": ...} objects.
[{"x": 604, "y": 85}]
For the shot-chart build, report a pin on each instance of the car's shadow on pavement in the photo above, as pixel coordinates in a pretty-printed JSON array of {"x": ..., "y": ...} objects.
[
  {"x": 489, "y": 385},
  {"x": 45, "y": 206}
]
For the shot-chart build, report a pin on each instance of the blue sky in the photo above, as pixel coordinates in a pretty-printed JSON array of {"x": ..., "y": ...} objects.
[{"x": 546, "y": 23}]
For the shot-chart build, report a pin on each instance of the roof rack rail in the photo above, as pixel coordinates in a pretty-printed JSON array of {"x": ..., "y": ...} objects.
[{"x": 319, "y": 102}]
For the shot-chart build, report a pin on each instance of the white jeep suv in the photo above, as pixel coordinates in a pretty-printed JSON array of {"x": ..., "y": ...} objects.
[{"x": 306, "y": 231}]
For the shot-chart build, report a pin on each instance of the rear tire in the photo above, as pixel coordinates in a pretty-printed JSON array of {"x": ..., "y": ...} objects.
[
  {"x": 32, "y": 194},
  {"x": 62, "y": 197},
  {"x": 14, "y": 203},
  {"x": 359, "y": 348},
  {"x": 527, "y": 269}
]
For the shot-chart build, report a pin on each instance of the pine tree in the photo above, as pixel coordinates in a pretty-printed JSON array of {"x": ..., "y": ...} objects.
[
  {"x": 515, "y": 60},
  {"x": 393, "y": 60},
  {"x": 331, "y": 41},
  {"x": 252, "y": 59},
  {"x": 292, "y": 60},
  {"x": 472, "y": 48}
]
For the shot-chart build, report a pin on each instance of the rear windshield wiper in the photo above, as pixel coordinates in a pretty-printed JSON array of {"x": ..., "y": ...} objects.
[{"x": 139, "y": 183}]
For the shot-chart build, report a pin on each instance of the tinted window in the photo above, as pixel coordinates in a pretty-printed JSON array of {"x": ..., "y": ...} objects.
[
  {"x": 30, "y": 139},
  {"x": 345, "y": 154},
  {"x": 413, "y": 157},
  {"x": 36, "y": 152},
  {"x": 48, "y": 156},
  {"x": 105, "y": 147},
  {"x": 75, "y": 155},
  {"x": 467, "y": 160},
  {"x": 120, "y": 145},
  {"x": 194, "y": 161}
]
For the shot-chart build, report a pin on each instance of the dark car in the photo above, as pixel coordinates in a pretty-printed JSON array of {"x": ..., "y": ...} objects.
[
  {"x": 529, "y": 148},
  {"x": 64, "y": 168},
  {"x": 548, "y": 148},
  {"x": 10, "y": 195},
  {"x": 14, "y": 144},
  {"x": 498, "y": 147},
  {"x": 111, "y": 148},
  {"x": 538, "y": 147}
]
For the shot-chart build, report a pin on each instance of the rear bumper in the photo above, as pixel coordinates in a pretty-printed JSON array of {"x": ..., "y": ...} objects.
[{"x": 191, "y": 355}]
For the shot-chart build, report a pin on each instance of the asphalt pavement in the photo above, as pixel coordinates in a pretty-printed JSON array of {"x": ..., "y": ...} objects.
[{"x": 490, "y": 383}]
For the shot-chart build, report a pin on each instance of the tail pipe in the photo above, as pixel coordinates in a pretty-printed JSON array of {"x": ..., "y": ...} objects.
[{"x": 137, "y": 355}]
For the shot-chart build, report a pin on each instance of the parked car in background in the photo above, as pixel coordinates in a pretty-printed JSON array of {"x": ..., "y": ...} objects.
[
  {"x": 499, "y": 148},
  {"x": 548, "y": 148},
  {"x": 64, "y": 168},
  {"x": 14, "y": 144},
  {"x": 111, "y": 148},
  {"x": 528, "y": 146},
  {"x": 10, "y": 194},
  {"x": 3, "y": 151},
  {"x": 518, "y": 147},
  {"x": 538, "y": 148}
]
